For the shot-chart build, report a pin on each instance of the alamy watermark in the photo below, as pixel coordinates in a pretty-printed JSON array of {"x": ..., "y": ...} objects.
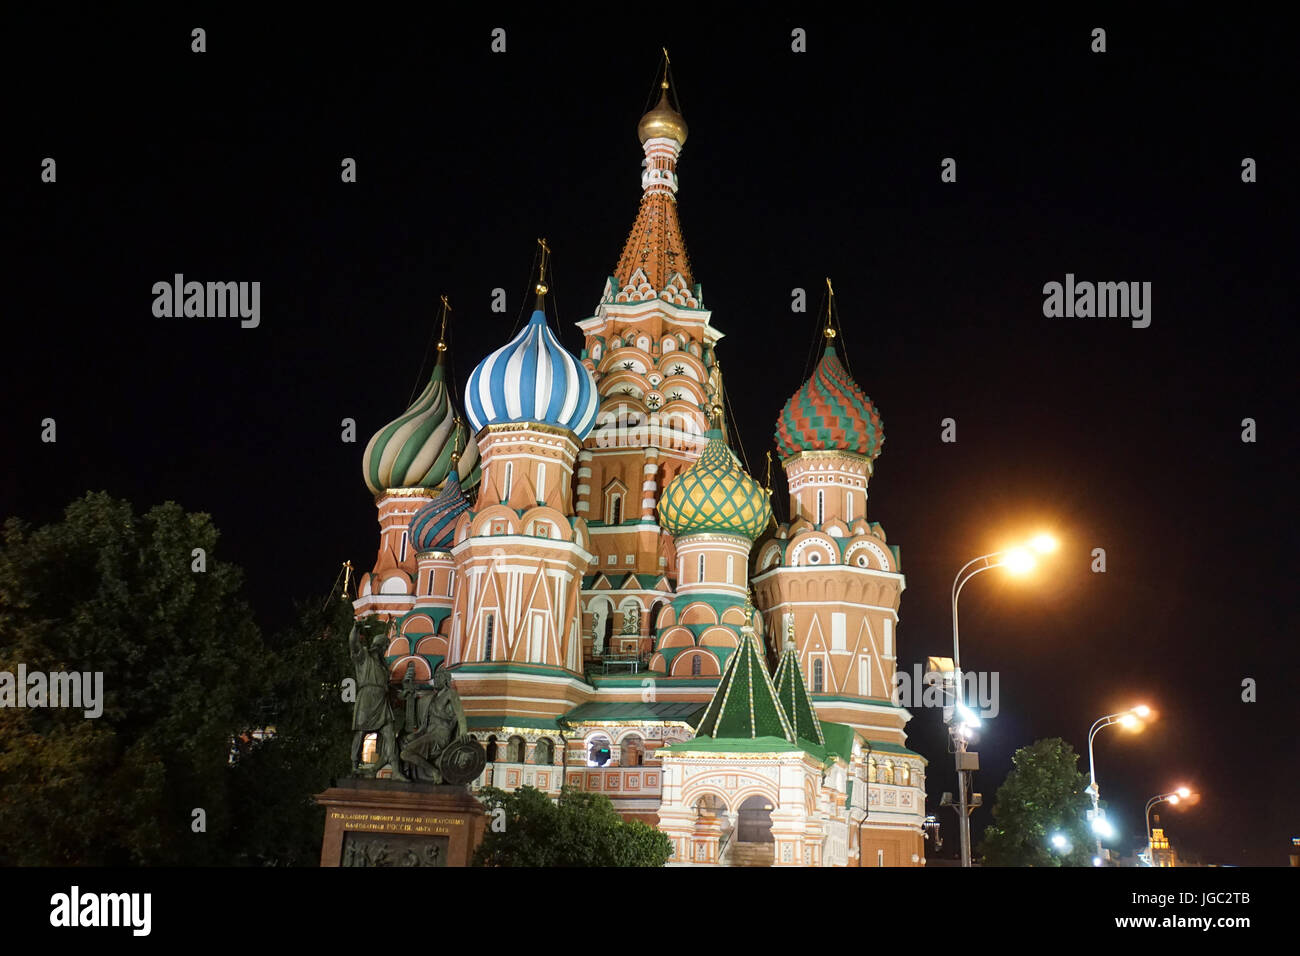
[
  {"x": 82, "y": 690},
  {"x": 208, "y": 300},
  {"x": 935, "y": 689},
  {"x": 1101, "y": 300}
]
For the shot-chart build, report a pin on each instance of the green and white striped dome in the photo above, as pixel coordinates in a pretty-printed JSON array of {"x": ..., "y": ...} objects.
[{"x": 415, "y": 450}]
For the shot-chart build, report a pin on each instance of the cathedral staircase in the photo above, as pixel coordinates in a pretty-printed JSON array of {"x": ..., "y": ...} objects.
[{"x": 751, "y": 854}]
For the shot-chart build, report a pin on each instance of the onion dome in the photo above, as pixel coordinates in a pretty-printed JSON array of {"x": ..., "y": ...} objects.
[
  {"x": 715, "y": 495},
  {"x": 533, "y": 378},
  {"x": 830, "y": 412},
  {"x": 416, "y": 450},
  {"x": 434, "y": 525},
  {"x": 663, "y": 120}
]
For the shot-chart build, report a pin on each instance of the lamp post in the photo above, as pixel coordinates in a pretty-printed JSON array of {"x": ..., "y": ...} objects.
[
  {"x": 1131, "y": 719},
  {"x": 963, "y": 722},
  {"x": 1173, "y": 797}
]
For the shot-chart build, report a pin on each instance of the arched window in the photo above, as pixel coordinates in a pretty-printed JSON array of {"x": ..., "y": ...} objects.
[
  {"x": 889, "y": 772},
  {"x": 873, "y": 771},
  {"x": 489, "y": 625},
  {"x": 696, "y": 662},
  {"x": 404, "y": 539},
  {"x": 598, "y": 751},
  {"x": 821, "y": 507},
  {"x": 700, "y": 575},
  {"x": 510, "y": 480},
  {"x": 491, "y": 748},
  {"x": 819, "y": 676},
  {"x": 633, "y": 751},
  {"x": 615, "y": 509},
  {"x": 515, "y": 749},
  {"x": 905, "y": 775},
  {"x": 544, "y": 752}
]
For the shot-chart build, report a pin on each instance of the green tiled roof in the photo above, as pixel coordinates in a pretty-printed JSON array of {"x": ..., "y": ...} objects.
[
  {"x": 839, "y": 739},
  {"x": 688, "y": 712},
  {"x": 792, "y": 692},
  {"x": 766, "y": 745},
  {"x": 745, "y": 703},
  {"x": 881, "y": 747}
]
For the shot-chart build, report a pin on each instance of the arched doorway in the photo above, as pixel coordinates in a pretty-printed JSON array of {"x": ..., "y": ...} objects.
[{"x": 754, "y": 820}]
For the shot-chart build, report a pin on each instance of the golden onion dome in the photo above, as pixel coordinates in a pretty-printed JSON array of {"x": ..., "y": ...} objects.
[
  {"x": 715, "y": 495},
  {"x": 663, "y": 120}
]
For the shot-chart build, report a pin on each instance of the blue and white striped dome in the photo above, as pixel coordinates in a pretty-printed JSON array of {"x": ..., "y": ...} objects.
[{"x": 532, "y": 379}]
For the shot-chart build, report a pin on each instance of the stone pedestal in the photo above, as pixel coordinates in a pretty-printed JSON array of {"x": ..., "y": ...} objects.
[{"x": 395, "y": 823}]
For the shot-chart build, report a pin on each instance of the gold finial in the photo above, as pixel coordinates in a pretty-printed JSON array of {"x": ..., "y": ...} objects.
[
  {"x": 541, "y": 271},
  {"x": 442, "y": 331},
  {"x": 829, "y": 332},
  {"x": 768, "y": 480},
  {"x": 347, "y": 579},
  {"x": 458, "y": 443}
]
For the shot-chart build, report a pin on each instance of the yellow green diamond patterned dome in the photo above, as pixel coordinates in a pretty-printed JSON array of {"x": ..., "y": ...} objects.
[{"x": 715, "y": 495}]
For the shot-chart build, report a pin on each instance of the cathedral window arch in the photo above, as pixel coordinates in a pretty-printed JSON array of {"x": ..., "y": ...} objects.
[
  {"x": 700, "y": 570},
  {"x": 544, "y": 751},
  {"x": 873, "y": 771},
  {"x": 489, "y": 627},
  {"x": 889, "y": 771},
  {"x": 697, "y": 663},
  {"x": 405, "y": 539},
  {"x": 451, "y": 582},
  {"x": 515, "y": 749},
  {"x": 819, "y": 676},
  {"x": 821, "y": 506},
  {"x": 510, "y": 480}
]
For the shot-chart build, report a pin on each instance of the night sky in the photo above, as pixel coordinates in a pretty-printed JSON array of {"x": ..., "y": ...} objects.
[{"x": 1122, "y": 166}]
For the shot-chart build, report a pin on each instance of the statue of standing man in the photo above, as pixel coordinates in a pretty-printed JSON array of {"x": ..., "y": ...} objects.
[{"x": 373, "y": 711}]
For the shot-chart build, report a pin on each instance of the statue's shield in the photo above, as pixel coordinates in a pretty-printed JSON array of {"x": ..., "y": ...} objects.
[{"x": 462, "y": 762}]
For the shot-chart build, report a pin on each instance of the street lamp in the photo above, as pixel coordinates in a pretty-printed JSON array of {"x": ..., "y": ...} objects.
[
  {"x": 1018, "y": 561},
  {"x": 1130, "y": 719},
  {"x": 1173, "y": 797}
]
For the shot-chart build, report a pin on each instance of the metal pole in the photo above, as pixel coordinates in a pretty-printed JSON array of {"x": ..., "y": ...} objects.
[{"x": 959, "y": 740}]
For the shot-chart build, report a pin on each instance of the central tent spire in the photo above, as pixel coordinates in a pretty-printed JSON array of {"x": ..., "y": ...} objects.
[{"x": 655, "y": 245}]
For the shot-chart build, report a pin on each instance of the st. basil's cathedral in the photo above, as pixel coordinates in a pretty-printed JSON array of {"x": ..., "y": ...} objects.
[{"x": 619, "y": 611}]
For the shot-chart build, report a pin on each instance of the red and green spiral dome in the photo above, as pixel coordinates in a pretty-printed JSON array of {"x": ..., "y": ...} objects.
[{"x": 829, "y": 413}]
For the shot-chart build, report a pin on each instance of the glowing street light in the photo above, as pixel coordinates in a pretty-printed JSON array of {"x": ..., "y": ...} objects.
[
  {"x": 1018, "y": 561},
  {"x": 1130, "y": 719},
  {"x": 1174, "y": 797},
  {"x": 1044, "y": 543}
]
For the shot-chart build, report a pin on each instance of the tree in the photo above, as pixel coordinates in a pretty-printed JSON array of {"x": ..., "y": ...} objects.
[
  {"x": 1042, "y": 796},
  {"x": 578, "y": 829},
  {"x": 106, "y": 590},
  {"x": 276, "y": 821}
]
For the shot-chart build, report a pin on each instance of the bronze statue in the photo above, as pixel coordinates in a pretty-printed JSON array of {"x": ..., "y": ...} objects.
[
  {"x": 437, "y": 746},
  {"x": 373, "y": 711}
]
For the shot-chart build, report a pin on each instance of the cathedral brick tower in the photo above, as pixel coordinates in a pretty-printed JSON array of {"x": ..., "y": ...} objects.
[
  {"x": 650, "y": 348},
  {"x": 521, "y": 552},
  {"x": 404, "y": 465},
  {"x": 714, "y": 511},
  {"x": 830, "y": 586}
]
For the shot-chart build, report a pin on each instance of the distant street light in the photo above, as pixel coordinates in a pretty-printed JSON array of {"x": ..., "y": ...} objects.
[
  {"x": 1174, "y": 797},
  {"x": 961, "y": 726},
  {"x": 1130, "y": 719}
]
